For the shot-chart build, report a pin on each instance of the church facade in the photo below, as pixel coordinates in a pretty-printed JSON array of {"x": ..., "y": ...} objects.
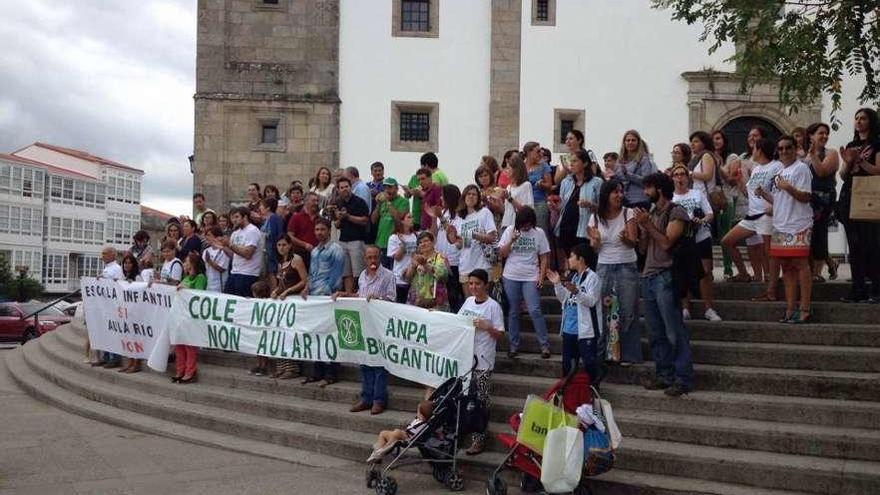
[{"x": 287, "y": 86}]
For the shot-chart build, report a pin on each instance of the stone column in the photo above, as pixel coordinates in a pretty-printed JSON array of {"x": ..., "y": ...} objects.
[{"x": 504, "y": 76}]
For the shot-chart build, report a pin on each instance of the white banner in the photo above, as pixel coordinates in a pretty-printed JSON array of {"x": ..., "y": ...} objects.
[
  {"x": 424, "y": 346},
  {"x": 125, "y": 318},
  {"x": 413, "y": 343}
]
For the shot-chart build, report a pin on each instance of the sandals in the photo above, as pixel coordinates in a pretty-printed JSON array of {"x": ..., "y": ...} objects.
[
  {"x": 804, "y": 317},
  {"x": 764, "y": 298},
  {"x": 818, "y": 279},
  {"x": 791, "y": 318},
  {"x": 742, "y": 278},
  {"x": 832, "y": 270}
]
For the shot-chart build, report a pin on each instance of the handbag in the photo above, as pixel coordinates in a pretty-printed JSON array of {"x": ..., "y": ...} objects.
[
  {"x": 599, "y": 446},
  {"x": 562, "y": 459},
  {"x": 717, "y": 198}
]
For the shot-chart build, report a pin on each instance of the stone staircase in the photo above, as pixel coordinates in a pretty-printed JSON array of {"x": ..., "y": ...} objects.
[{"x": 779, "y": 409}]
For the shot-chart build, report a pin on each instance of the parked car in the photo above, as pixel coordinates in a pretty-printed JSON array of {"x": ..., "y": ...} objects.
[{"x": 15, "y": 329}]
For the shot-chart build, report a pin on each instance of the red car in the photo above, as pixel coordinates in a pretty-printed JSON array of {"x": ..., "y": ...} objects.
[{"x": 15, "y": 329}]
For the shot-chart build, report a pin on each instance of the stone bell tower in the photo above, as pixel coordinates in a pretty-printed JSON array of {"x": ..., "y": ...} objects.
[{"x": 267, "y": 97}]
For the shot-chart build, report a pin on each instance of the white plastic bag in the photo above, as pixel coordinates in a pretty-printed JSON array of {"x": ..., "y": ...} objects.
[
  {"x": 613, "y": 430},
  {"x": 562, "y": 460}
]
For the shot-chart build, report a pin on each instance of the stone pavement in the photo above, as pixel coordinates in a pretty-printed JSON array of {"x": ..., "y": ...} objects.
[{"x": 46, "y": 451}]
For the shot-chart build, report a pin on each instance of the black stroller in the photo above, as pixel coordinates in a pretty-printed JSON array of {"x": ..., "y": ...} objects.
[{"x": 456, "y": 412}]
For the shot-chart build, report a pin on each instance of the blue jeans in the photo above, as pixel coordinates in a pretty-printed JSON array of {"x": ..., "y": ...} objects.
[
  {"x": 574, "y": 349},
  {"x": 670, "y": 340},
  {"x": 623, "y": 278},
  {"x": 516, "y": 291},
  {"x": 374, "y": 385}
]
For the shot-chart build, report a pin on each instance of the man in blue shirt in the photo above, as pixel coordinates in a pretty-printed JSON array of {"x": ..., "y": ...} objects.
[{"x": 325, "y": 278}]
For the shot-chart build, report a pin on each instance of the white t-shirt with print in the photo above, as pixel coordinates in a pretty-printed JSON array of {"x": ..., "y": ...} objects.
[
  {"x": 523, "y": 195},
  {"x": 216, "y": 279},
  {"x": 762, "y": 176},
  {"x": 522, "y": 263},
  {"x": 171, "y": 270},
  {"x": 409, "y": 244},
  {"x": 690, "y": 201},
  {"x": 113, "y": 270},
  {"x": 791, "y": 216},
  {"x": 248, "y": 236},
  {"x": 471, "y": 255},
  {"x": 484, "y": 344}
]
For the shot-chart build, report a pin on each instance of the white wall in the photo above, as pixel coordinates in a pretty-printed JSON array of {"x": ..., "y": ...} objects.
[
  {"x": 619, "y": 61},
  {"x": 375, "y": 68}
]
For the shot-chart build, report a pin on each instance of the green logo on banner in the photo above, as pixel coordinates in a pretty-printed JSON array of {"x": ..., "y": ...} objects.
[{"x": 348, "y": 328}]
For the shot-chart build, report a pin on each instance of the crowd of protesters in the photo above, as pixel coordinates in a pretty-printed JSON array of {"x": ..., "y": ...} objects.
[{"x": 601, "y": 234}]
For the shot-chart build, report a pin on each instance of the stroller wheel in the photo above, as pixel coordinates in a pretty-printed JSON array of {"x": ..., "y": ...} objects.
[
  {"x": 439, "y": 471},
  {"x": 386, "y": 486},
  {"x": 371, "y": 475},
  {"x": 496, "y": 486},
  {"x": 454, "y": 481},
  {"x": 529, "y": 484}
]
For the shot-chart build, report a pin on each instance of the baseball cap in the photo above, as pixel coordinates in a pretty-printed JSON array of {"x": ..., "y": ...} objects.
[{"x": 389, "y": 181}]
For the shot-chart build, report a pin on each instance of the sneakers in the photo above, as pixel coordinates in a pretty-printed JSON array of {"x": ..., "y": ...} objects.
[
  {"x": 685, "y": 314},
  {"x": 257, "y": 371},
  {"x": 711, "y": 315},
  {"x": 675, "y": 390},
  {"x": 545, "y": 353}
]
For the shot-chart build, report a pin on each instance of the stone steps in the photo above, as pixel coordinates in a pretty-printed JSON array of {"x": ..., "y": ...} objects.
[
  {"x": 828, "y": 291},
  {"x": 827, "y": 312},
  {"x": 837, "y": 442},
  {"x": 615, "y": 482},
  {"x": 638, "y": 451}
]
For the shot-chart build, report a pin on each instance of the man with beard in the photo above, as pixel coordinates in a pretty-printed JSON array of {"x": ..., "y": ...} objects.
[
  {"x": 661, "y": 230},
  {"x": 352, "y": 220}
]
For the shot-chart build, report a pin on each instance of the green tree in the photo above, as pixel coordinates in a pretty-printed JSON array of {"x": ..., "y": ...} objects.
[
  {"x": 19, "y": 287},
  {"x": 806, "y": 46}
]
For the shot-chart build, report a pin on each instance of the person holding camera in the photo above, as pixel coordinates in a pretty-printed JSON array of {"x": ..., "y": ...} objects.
[
  {"x": 697, "y": 277},
  {"x": 352, "y": 218}
]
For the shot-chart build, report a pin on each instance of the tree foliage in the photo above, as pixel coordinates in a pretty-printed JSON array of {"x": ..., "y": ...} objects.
[
  {"x": 17, "y": 287},
  {"x": 806, "y": 46}
]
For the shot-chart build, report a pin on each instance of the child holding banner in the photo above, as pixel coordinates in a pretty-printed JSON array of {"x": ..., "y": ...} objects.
[{"x": 185, "y": 355}]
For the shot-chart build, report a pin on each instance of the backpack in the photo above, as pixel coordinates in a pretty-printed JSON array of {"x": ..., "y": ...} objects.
[{"x": 686, "y": 245}]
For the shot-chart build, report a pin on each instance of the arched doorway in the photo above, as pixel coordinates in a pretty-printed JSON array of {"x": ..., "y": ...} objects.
[{"x": 737, "y": 131}]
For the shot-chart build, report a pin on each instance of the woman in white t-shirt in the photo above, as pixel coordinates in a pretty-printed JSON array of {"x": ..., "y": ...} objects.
[
  {"x": 519, "y": 192},
  {"x": 614, "y": 235},
  {"x": 472, "y": 229},
  {"x": 401, "y": 246},
  {"x": 700, "y": 212},
  {"x": 758, "y": 219},
  {"x": 172, "y": 268},
  {"x": 526, "y": 249}
]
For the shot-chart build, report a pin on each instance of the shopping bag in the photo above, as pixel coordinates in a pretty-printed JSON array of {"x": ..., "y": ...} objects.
[
  {"x": 562, "y": 459},
  {"x": 538, "y": 418},
  {"x": 598, "y": 454},
  {"x": 865, "y": 202}
]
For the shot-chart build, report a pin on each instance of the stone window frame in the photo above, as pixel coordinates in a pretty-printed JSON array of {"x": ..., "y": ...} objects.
[
  {"x": 551, "y": 14},
  {"x": 578, "y": 115},
  {"x": 432, "y": 108},
  {"x": 281, "y": 6},
  {"x": 433, "y": 21},
  {"x": 280, "y": 144}
]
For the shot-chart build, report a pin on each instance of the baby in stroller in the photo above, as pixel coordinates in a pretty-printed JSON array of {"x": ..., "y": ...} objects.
[{"x": 388, "y": 438}]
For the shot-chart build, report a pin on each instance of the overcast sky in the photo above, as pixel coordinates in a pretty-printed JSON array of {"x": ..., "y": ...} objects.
[{"x": 114, "y": 78}]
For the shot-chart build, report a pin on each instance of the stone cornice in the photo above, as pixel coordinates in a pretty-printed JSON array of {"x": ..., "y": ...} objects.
[{"x": 332, "y": 99}]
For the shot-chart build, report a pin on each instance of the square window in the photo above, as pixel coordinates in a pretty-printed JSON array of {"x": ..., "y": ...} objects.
[
  {"x": 270, "y": 134},
  {"x": 564, "y": 121},
  {"x": 415, "y": 126},
  {"x": 415, "y": 15},
  {"x": 543, "y": 12}
]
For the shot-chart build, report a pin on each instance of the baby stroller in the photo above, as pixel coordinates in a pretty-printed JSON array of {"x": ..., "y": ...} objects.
[
  {"x": 569, "y": 393},
  {"x": 456, "y": 412}
]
